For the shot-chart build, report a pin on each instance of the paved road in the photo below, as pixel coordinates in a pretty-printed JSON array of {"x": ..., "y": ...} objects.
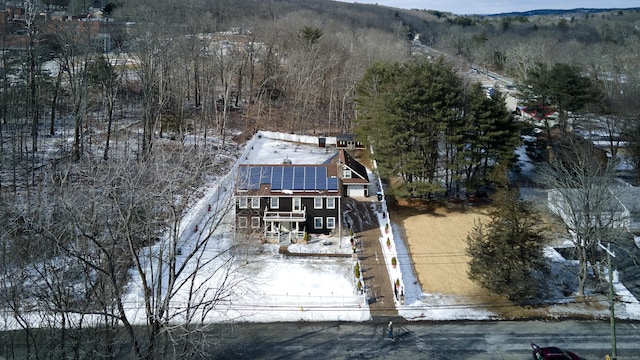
[{"x": 433, "y": 341}]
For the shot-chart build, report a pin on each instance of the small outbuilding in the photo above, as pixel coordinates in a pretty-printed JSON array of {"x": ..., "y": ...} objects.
[{"x": 348, "y": 141}]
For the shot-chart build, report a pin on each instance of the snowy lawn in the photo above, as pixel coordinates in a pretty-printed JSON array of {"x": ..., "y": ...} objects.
[
  {"x": 294, "y": 289},
  {"x": 265, "y": 286}
]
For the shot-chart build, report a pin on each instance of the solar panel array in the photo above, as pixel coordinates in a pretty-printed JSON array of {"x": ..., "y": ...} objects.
[{"x": 296, "y": 178}]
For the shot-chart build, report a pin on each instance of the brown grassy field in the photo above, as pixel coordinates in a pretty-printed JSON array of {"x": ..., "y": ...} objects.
[
  {"x": 436, "y": 241},
  {"x": 436, "y": 237}
]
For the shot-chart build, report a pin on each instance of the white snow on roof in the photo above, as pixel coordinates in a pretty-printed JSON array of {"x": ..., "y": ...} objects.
[{"x": 274, "y": 148}]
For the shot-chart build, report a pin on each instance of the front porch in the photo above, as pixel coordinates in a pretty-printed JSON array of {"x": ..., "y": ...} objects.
[
  {"x": 284, "y": 227},
  {"x": 284, "y": 238}
]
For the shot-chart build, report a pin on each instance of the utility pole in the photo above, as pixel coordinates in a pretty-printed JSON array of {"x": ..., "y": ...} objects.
[{"x": 612, "y": 315}]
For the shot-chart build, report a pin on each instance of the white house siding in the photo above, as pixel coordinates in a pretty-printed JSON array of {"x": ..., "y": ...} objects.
[{"x": 617, "y": 212}]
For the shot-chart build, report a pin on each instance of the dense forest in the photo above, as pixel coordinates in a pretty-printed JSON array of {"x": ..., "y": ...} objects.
[{"x": 113, "y": 117}]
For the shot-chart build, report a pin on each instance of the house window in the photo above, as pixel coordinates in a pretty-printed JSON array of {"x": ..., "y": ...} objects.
[
  {"x": 331, "y": 223},
  {"x": 331, "y": 203},
  {"x": 255, "y": 222},
  {"x": 242, "y": 202},
  {"x": 275, "y": 202},
  {"x": 255, "y": 203},
  {"x": 317, "y": 203},
  {"x": 297, "y": 204},
  {"x": 317, "y": 223},
  {"x": 346, "y": 173},
  {"x": 242, "y": 222}
]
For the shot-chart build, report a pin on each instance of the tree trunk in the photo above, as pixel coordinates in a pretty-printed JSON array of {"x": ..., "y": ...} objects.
[
  {"x": 109, "y": 125},
  {"x": 54, "y": 102},
  {"x": 582, "y": 270}
]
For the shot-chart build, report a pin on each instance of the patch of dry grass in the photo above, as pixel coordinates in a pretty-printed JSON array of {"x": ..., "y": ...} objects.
[{"x": 436, "y": 237}]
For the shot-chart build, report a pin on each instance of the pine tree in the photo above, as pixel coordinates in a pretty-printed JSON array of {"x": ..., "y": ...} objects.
[
  {"x": 402, "y": 112},
  {"x": 507, "y": 253},
  {"x": 562, "y": 87},
  {"x": 486, "y": 138},
  {"x": 410, "y": 112}
]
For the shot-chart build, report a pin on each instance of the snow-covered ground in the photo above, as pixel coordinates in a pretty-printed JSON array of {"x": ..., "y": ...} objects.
[
  {"x": 268, "y": 287},
  {"x": 295, "y": 289}
]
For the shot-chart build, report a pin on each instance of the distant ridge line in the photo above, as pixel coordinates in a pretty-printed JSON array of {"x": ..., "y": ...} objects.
[{"x": 561, "y": 11}]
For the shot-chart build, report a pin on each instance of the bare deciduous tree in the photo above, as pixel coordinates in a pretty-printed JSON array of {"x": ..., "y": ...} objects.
[
  {"x": 104, "y": 75},
  {"x": 110, "y": 246},
  {"x": 74, "y": 58},
  {"x": 581, "y": 178}
]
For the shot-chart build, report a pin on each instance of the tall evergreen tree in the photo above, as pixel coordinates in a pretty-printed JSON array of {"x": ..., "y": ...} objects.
[
  {"x": 428, "y": 132},
  {"x": 489, "y": 137},
  {"x": 403, "y": 110},
  {"x": 561, "y": 87},
  {"x": 507, "y": 253}
]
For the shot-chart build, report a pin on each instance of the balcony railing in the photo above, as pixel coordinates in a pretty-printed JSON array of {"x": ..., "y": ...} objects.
[{"x": 297, "y": 216}]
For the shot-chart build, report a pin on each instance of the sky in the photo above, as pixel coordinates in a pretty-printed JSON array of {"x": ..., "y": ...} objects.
[{"x": 499, "y": 6}]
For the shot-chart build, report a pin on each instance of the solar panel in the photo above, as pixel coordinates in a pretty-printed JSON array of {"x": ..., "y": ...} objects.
[
  {"x": 254, "y": 178},
  {"x": 276, "y": 178},
  {"x": 265, "y": 174},
  {"x": 332, "y": 184},
  {"x": 310, "y": 178},
  {"x": 243, "y": 178},
  {"x": 287, "y": 178},
  {"x": 298, "y": 178},
  {"x": 321, "y": 178}
]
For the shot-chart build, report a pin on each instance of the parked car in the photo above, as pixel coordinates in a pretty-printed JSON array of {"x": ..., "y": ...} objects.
[{"x": 553, "y": 353}]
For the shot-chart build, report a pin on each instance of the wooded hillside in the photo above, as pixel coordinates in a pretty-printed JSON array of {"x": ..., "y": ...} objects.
[{"x": 112, "y": 120}]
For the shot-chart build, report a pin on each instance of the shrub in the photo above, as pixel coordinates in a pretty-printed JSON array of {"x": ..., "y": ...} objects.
[
  {"x": 388, "y": 242},
  {"x": 393, "y": 261},
  {"x": 357, "y": 270}
]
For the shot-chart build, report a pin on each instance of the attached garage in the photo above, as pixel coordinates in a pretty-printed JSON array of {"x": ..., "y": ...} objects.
[
  {"x": 356, "y": 190},
  {"x": 355, "y": 180}
]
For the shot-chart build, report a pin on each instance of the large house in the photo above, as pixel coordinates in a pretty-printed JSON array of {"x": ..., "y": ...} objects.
[{"x": 284, "y": 202}]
